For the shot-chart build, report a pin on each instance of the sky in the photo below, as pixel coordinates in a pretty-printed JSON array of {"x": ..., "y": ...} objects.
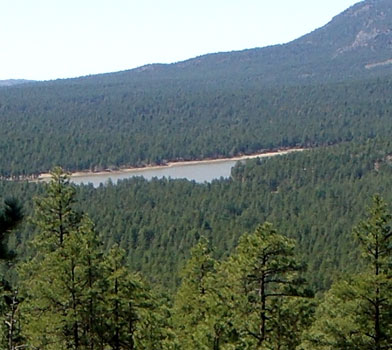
[{"x": 51, "y": 39}]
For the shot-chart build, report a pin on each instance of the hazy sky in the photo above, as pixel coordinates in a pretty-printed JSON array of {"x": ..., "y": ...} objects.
[{"x": 49, "y": 39}]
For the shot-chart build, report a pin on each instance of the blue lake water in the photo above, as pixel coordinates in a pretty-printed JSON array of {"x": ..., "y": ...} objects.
[
  {"x": 199, "y": 172},
  {"x": 202, "y": 171}
]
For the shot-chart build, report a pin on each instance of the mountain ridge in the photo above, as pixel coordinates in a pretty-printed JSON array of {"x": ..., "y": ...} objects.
[
  {"x": 330, "y": 86},
  {"x": 354, "y": 44},
  {"x": 362, "y": 35}
]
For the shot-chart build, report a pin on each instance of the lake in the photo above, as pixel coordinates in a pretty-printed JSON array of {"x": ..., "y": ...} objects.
[
  {"x": 202, "y": 172},
  {"x": 199, "y": 171}
]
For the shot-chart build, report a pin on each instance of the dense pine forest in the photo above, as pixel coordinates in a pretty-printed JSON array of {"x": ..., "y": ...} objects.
[
  {"x": 329, "y": 86},
  {"x": 292, "y": 252},
  {"x": 73, "y": 293},
  {"x": 314, "y": 196},
  {"x": 97, "y": 127}
]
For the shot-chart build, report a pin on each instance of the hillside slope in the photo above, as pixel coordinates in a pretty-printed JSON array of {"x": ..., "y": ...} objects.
[
  {"x": 329, "y": 86},
  {"x": 355, "y": 44}
]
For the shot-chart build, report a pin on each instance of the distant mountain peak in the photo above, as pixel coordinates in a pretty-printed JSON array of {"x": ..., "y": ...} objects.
[
  {"x": 369, "y": 23},
  {"x": 355, "y": 44},
  {"x": 359, "y": 9},
  {"x": 351, "y": 45}
]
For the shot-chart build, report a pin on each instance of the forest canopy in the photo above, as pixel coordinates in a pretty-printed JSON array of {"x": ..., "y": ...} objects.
[{"x": 72, "y": 293}]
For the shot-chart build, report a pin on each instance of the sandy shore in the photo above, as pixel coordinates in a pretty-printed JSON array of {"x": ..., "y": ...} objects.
[{"x": 46, "y": 176}]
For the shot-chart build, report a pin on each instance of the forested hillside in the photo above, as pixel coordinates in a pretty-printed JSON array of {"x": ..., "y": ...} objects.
[
  {"x": 291, "y": 252},
  {"x": 314, "y": 196},
  {"x": 75, "y": 290},
  {"x": 123, "y": 125},
  {"x": 211, "y": 106}
]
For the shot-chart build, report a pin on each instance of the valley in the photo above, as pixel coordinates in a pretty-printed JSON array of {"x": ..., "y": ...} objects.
[{"x": 146, "y": 217}]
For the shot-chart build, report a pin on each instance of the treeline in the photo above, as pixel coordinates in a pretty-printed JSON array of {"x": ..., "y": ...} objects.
[
  {"x": 314, "y": 196},
  {"x": 84, "y": 126},
  {"x": 70, "y": 294}
]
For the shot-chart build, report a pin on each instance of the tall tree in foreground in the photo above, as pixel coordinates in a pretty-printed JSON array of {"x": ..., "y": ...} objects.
[
  {"x": 265, "y": 292},
  {"x": 75, "y": 297},
  {"x": 54, "y": 215},
  {"x": 253, "y": 300},
  {"x": 60, "y": 283},
  {"x": 63, "y": 293},
  {"x": 357, "y": 313},
  {"x": 195, "y": 309},
  {"x": 10, "y": 216},
  {"x": 126, "y": 298}
]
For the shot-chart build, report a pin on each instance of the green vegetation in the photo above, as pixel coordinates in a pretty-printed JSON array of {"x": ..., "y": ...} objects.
[
  {"x": 314, "y": 197},
  {"x": 173, "y": 264},
  {"x": 356, "y": 312},
  {"x": 320, "y": 89},
  {"x": 94, "y": 127},
  {"x": 10, "y": 216},
  {"x": 70, "y": 294}
]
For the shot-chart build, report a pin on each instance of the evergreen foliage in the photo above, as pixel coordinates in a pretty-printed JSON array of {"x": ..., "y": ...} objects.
[
  {"x": 262, "y": 277},
  {"x": 329, "y": 86},
  {"x": 124, "y": 125},
  {"x": 356, "y": 312},
  {"x": 195, "y": 308},
  {"x": 10, "y": 215},
  {"x": 83, "y": 254},
  {"x": 243, "y": 302},
  {"x": 313, "y": 196},
  {"x": 73, "y": 295}
]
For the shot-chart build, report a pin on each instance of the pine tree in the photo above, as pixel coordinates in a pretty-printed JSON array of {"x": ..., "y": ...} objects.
[
  {"x": 375, "y": 239},
  {"x": 263, "y": 285},
  {"x": 92, "y": 273},
  {"x": 10, "y": 216},
  {"x": 77, "y": 298},
  {"x": 63, "y": 293},
  {"x": 131, "y": 319},
  {"x": 194, "y": 316},
  {"x": 54, "y": 215},
  {"x": 10, "y": 328},
  {"x": 356, "y": 312},
  {"x": 60, "y": 283}
]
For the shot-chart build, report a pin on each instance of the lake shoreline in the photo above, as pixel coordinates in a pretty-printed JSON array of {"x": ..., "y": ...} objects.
[{"x": 78, "y": 174}]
